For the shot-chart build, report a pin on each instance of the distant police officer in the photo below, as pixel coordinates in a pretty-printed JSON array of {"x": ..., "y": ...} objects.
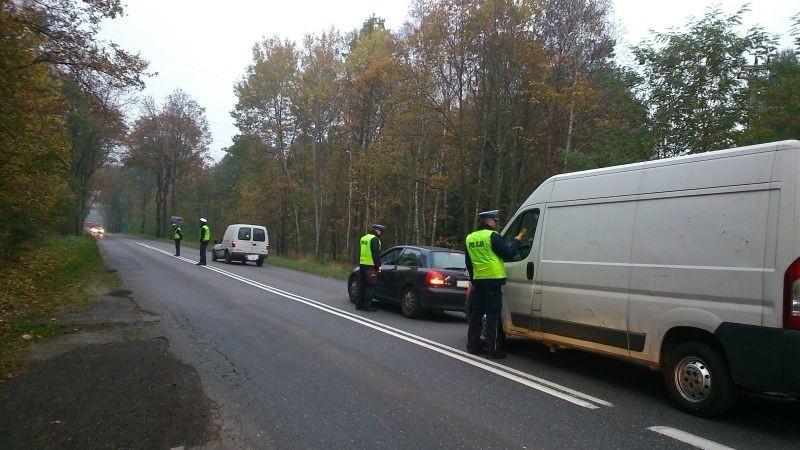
[
  {"x": 177, "y": 235},
  {"x": 369, "y": 264},
  {"x": 205, "y": 236},
  {"x": 486, "y": 251}
]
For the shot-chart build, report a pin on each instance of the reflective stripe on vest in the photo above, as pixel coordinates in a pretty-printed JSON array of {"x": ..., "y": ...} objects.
[
  {"x": 177, "y": 233},
  {"x": 486, "y": 265},
  {"x": 205, "y": 233},
  {"x": 365, "y": 258}
]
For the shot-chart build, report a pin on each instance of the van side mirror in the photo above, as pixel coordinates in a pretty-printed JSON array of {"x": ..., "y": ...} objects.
[{"x": 215, "y": 242}]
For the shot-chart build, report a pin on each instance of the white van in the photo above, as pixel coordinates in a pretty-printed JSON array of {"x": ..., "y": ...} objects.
[
  {"x": 690, "y": 265},
  {"x": 242, "y": 242}
]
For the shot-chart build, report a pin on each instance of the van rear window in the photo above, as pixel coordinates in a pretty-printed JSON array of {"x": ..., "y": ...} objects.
[
  {"x": 244, "y": 233},
  {"x": 259, "y": 235}
]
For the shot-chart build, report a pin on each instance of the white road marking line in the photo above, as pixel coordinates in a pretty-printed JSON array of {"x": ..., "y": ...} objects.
[
  {"x": 548, "y": 387},
  {"x": 689, "y": 438}
]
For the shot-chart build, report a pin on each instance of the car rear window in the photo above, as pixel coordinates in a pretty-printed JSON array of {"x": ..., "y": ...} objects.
[
  {"x": 448, "y": 260},
  {"x": 244, "y": 233},
  {"x": 259, "y": 235}
]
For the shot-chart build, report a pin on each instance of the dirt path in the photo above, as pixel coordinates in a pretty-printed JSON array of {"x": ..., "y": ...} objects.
[{"x": 112, "y": 384}]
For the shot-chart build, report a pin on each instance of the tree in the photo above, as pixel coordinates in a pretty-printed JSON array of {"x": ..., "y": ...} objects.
[
  {"x": 34, "y": 161},
  {"x": 318, "y": 110},
  {"x": 95, "y": 129},
  {"x": 167, "y": 142},
  {"x": 48, "y": 44},
  {"x": 697, "y": 100},
  {"x": 264, "y": 110}
]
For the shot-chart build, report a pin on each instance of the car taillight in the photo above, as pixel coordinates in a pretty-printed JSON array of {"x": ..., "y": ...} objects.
[
  {"x": 791, "y": 297},
  {"x": 434, "y": 278},
  {"x": 233, "y": 243},
  {"x": 267, "y": 245}
]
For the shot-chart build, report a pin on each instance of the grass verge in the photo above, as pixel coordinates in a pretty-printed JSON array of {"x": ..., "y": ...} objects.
[
  {"x": 49, "y": 280},
  {"x": 337, "y": 271}
]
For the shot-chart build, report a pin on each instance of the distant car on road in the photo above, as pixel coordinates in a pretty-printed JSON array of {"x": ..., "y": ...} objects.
[
  {"x": 420, "y": 278},
  {"x": 94, "y": 228}
]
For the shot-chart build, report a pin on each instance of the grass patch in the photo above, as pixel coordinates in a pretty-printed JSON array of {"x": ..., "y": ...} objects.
[
  {"x": 48, "y": 280},
  {"x": 337, "y": 271}
]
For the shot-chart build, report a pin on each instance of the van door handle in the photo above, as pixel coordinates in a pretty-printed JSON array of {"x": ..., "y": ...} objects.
[{"x": 530, "y": 271}]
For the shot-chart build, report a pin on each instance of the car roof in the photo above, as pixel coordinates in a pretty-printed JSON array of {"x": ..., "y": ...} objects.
[{"x": 429, "y": 248}]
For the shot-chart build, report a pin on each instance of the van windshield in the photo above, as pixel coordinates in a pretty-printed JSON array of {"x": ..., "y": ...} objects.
[{"x": 259, "y": 235}]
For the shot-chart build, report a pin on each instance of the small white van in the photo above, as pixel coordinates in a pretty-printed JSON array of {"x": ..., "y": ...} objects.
[
  {"x": 690, "y": 265},
  {"x": 242, "y": 242}
]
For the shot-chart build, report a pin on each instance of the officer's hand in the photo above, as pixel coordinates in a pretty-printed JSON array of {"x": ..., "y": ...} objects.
[{"x": 522, "y": 233}]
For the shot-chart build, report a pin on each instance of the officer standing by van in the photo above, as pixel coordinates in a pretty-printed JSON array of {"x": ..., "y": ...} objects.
[
  {"x": 205, "y": 236},
  {"x": 486, "y": 251},
  {"x": 369, "y": 263}
]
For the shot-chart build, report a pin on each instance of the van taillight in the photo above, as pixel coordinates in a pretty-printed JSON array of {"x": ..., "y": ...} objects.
[
  {"x": 233, "y": 243},
  {"x": 267, "y": 245},
  {"x": 791, "y": 297},
  {"x": 434, "y": 278}
]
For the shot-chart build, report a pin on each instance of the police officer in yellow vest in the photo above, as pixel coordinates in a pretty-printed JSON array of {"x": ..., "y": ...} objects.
[
  {"x": 486, "y": 251},
  {"x": 369, "y": 264},
  {"x": 205, "y": 236},
  {"x": 177, "y": 235}
]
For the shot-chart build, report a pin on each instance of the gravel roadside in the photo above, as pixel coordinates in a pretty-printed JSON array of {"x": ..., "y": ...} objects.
[{"x": 113, "y": 383}]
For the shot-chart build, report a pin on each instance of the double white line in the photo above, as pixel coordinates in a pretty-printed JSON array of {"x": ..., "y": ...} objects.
[{"x": 542, "y": 385}]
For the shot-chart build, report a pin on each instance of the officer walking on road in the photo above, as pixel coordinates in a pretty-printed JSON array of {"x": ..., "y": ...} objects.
[
  {"x": 369, "y": 264},
  {"x": 486, "y": 251},
  {"x": 205, "y": 236},
  {"x": 177, "y": 235}
]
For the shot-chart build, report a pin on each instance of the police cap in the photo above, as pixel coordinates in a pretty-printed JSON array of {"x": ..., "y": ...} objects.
[
  {"x": 203, "y": 219},
  {"x": 493, "y": 214},
  {"x": 376, "y": 226}
]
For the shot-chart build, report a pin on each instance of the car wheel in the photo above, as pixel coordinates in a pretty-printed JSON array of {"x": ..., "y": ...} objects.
[
  {"x": 409, "y": 303},
  {"x": 213, "y": 255},
  {"x": 698, "y": 379},
  {"x": 260, "y": 262},
  {"x": 354, "y": 289},
  {"x": 227, "y": 257}
]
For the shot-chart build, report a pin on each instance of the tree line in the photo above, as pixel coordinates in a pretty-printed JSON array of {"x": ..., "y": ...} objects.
[{"x": 468, "y": 107}]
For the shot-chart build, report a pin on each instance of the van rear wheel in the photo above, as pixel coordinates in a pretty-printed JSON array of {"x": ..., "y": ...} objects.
[
  {"x": 698, "y": 379},
  {"x": 227, "y": 257}
]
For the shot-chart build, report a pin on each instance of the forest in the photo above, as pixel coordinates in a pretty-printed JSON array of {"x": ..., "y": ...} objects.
[{"x": 468, "y": 107}]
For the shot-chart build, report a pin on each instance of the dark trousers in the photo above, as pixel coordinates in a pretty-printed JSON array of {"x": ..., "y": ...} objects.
[
  {"x": 177, "y": 247},
  {"x": 203, "y": 245},
  {"x": 365, "y": 301},
  {"x": 484, "y": 300}
]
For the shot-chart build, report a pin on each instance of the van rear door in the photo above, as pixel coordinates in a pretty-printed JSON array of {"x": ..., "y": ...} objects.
[
  {"x": 259, "y": 241},
  {"x": 244, "y": 240}
]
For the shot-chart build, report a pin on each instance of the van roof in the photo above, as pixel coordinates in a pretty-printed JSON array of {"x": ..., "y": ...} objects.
[
  {"x": 246, "y": 225},
  {"x": 627, "y": 185},
  {"x": 750, "y": 149}
]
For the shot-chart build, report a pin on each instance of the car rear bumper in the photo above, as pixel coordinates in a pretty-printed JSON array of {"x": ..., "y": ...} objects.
[
  {"x": 450, "y": 299},
  {"x": 762, "y": 358}
]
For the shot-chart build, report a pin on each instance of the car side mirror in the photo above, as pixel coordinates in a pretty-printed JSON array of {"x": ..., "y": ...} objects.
[{"x": 215, "y": 242}]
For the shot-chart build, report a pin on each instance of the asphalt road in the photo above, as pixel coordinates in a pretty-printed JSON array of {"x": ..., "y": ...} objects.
[{"x": 291, "y": 364}]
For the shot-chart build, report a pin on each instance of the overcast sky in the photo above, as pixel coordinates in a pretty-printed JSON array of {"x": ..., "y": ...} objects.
[{"x": 205, "y": 47}]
